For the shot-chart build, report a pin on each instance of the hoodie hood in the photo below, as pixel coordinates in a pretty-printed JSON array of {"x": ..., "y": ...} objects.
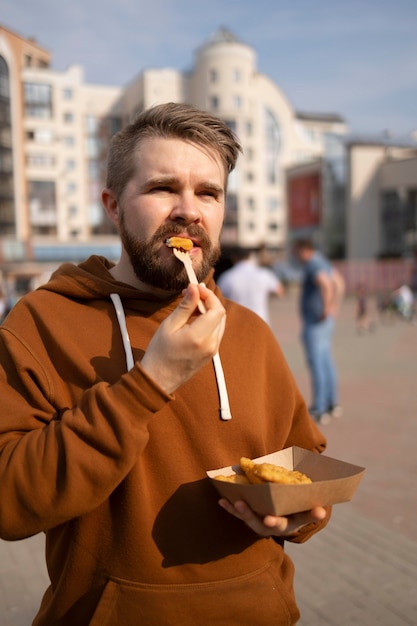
[{"x": 91, "y": 280}]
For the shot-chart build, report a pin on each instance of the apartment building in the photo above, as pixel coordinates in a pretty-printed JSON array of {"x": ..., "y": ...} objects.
[
  {"x": 54, "y": 128},
  {"x": 50, "y": 125}
]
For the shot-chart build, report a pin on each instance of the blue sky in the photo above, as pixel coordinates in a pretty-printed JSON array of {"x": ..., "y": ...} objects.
[{"x": 356, "y": 58}]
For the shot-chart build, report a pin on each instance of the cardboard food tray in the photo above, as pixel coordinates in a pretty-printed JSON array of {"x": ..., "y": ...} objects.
[{"x": 334, "y": 481}]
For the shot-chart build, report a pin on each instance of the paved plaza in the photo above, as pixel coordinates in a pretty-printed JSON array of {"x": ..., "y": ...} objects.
[{"x": 362, "y": 569}]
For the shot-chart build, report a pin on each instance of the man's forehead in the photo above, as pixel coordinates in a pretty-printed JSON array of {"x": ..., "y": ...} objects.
[{"x": 161, "y": 150}]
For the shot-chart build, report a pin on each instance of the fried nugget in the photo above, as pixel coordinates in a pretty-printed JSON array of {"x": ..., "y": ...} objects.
[
  {"x": 180, "y": 242},
  {"x": 258, "y": 473},
  {"x": 239, "y": 479},
  {"x": 249, "y": 467}
]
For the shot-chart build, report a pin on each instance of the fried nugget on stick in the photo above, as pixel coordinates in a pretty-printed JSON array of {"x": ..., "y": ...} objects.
[{"x": 181, "y": 243}]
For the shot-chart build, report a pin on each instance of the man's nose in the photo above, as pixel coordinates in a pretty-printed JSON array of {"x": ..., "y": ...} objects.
[{"x": 186, "y": 209}]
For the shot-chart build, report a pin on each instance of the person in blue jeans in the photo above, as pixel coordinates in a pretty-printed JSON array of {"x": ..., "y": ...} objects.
[{"x": 321, "y": 291}]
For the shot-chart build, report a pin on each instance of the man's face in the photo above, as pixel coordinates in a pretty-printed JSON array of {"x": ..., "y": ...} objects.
[
  {"x": 178, "y": 190},
  {"x": 301, "y": 253}
]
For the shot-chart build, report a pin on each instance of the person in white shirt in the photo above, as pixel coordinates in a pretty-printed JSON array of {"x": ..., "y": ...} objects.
[
  {"x": 250, "y": 285},
  {"x": 404, "y": 301}
]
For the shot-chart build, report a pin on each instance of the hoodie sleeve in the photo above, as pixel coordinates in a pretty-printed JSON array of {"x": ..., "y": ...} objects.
[{"x": 59, "y": 464}]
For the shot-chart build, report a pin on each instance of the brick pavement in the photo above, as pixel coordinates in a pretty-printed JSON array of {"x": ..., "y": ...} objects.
[{"x": 362, "y": 569}]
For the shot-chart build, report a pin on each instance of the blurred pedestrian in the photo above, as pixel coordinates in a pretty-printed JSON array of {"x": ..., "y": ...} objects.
[
  {"x": 403, "y": 301},
  {"x": 364, "y": 322},
  {"x": 321, "y": 291},
  {"x": 249, "y": 284}
]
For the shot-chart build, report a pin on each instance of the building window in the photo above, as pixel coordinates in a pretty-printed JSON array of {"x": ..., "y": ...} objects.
[
  {"x": 249, "y": 128},
  {"x": 231, "y": 210},
  {"x": 272, "y": 205},
  {"x": 237, "y": 75},
  {"x": 7, "y": 213},
  {"x": 214, "y": 102},
  {"x": 94, "y": 170},
  {"x": 41, "y": 197},
  {"x": 411, "y": 210},
  {"x": 114, "y": 124},
  {"x": 38, "y": 100},
  {"x": 68, "y": 118},
  {"x": 237, "y": 102},
  {"x": 91, "y": 124},
  {"x": 40, "y": 160},
  {"x": 392, "y": 224},
  {"x": 4, "y": 79},
  {"x": 6, "y": 162},
  {"x": 67, "y": 93},
  {"x": 272, "y": 145},
  {"x": 410, "y": 221},
  {"x": 71, "y": 188},
  {"x": 92, "y": 147},
  {"x": 232, "y": 125},
  {"x": 69, "y": 165},
  {"x": 40, "y": 135},
  {"x": 44, "y": 135},
  {"x": 251, "y": 204},
  {"x": 69, "y": 140},
  {"x": 213, "y": 75}
]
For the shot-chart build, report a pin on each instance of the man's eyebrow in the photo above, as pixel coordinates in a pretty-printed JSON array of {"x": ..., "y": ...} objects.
[
  {"x": 173, "y": 180},
  {"x": 161, "y": 180},
  {"x": 212, "y": 186}
]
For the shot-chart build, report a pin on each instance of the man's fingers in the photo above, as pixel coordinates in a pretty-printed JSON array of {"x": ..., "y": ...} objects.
[
  {"x": 213, "y": 321},
  {"x": 271, "y": 524}
]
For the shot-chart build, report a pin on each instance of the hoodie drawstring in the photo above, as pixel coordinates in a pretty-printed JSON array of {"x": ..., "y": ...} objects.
[
  {"x": 225, "y": 413},
  {"x": 121, "y": 318}
]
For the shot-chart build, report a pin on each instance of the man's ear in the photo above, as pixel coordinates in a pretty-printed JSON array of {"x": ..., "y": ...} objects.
[{"x": 111, "y": 205}]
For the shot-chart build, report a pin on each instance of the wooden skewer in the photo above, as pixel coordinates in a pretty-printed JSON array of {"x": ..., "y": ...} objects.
[{"x": 184, "y": 257}]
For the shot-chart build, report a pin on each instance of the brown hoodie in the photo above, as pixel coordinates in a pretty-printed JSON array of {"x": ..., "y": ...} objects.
[{"x": 113, "y": 469}]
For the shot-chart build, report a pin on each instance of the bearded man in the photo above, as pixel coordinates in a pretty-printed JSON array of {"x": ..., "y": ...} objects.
[{"x": 110, "y": 407}]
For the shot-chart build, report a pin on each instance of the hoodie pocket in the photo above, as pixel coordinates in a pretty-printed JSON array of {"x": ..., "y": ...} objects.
[{"x": 258, "y": 599}]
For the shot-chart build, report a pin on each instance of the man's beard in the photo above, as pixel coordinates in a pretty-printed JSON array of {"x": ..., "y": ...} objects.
[{"x": 151, "y": 268}]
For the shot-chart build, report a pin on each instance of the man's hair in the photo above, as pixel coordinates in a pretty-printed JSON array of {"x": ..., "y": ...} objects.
[
  {"x": 304, "y": 244},
  {"x": 170, "y": 120}
]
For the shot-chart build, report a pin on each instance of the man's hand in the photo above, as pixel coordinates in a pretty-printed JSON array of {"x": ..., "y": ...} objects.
[
  {"x": 271, "y": 525},
  {"x": 182, "y": 345}
]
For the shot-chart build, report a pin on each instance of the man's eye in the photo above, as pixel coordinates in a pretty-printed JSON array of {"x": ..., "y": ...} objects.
[{"x": 163, "y": 188}]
